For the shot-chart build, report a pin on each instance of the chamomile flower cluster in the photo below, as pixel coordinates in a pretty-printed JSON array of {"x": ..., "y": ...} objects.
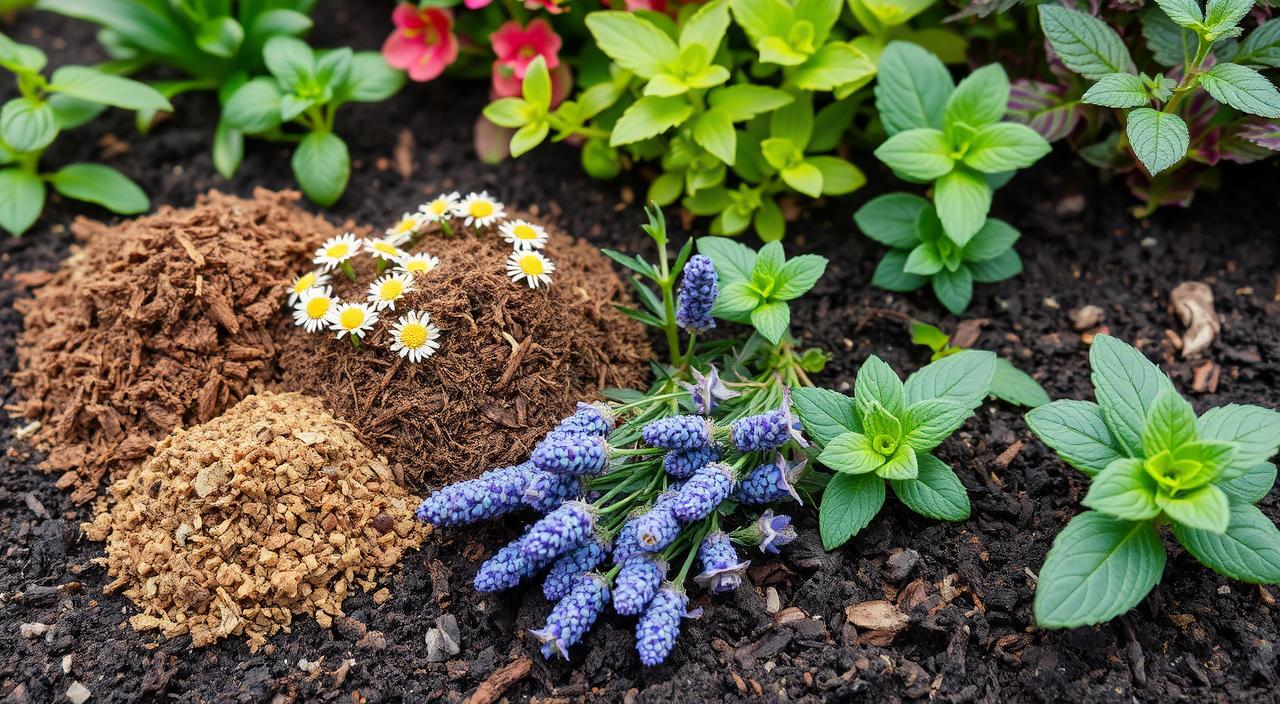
[{"x": 526, "y": 264}]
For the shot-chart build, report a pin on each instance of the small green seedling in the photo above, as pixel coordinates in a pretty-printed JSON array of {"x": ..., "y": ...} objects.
[
  {"x": 1152, "y": 463},
  {"x": 886, "y": 433},
  {"x": 1009, "y": 383},
  {"x": 755, "y": 287}
]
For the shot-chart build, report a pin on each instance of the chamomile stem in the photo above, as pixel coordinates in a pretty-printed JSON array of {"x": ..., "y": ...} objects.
[
  {"x": 446, "y": 228},
  {"x": 349, "y": 271}
]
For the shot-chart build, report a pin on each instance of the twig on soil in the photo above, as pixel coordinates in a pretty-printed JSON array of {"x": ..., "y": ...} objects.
[{"x": 498, "y": 682}]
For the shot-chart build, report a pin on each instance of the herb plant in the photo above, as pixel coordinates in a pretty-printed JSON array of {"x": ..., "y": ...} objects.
[
  {"x": 29, "y": 123},
  {"x": 1152, "y": 463},
  {"x": 305, "y": 89},
  {"x": 886, "y": 433},
  {"x": 1009, "y": 383}
]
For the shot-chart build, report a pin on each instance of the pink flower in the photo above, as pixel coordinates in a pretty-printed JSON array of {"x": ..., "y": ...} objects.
[
  {"x": 516, "y": 48},
  {"x": 476, "y": 4},
  {"x": 423, "y": 42},
  {"x": 553, "y": 6}
]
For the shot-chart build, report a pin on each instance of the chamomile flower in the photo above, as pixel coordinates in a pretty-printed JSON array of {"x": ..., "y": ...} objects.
[
  {"x": 523, "y": 235},
  {"x": 384, "y": 292},
  {"x": 531, "y": 266},
  {"x": 354, "y": 319},
  {"x": 337, "y": 250},
  {"x": 406, "y": 227},
  {"x": 414, "y": 337},
  {"x": 440, "y": 208},
  {"x": 479, "y": 210},
  {"x": 417, "y": 263},
  {"x": 313, "y": 308},
  {"x": 308, "y": 280},
  {"x": 385, "y": 249}
]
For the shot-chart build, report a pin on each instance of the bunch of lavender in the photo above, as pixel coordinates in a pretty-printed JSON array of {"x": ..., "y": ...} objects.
[{"x": 637, "y": 491}]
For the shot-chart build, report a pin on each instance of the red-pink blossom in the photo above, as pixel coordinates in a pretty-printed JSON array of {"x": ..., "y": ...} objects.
[
  {"x": 423, "y": 42},
  {"x": 516, "y": 47}
]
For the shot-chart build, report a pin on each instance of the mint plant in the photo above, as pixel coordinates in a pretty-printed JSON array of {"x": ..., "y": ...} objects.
[
  {"x": 1009, "y": 383},
  {"x": 886, "y": 432},
  {"x": 921, "y": 252},
  {"x": 756, "y": 287},
  {"x": 29, "y": 124},
  {"x": 1152, "y": 463},
  {"x": 305, "y": 89},
  {"x": 950, "y": 135}
]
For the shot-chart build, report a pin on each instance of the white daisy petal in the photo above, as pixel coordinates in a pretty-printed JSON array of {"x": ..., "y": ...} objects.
[
  {"x": 314, "y": 307},
  {"x": 414, "y": 337},
  {"x": 384, "y": 292},
  {"x": 531, "y": 266},
  {"x": 353, "y": 319},
  {"x": 479, "y": 210},
  {"x": 440, "y": 208},
  {"x": 308, "y": 280},
  {"x": 337, "y": 250},
  {"x": 386, "y": 249},
  {"x": 417, "y": 263},
  {"x": 523, "y": 235},
  {"x": 406, "y": 227}
]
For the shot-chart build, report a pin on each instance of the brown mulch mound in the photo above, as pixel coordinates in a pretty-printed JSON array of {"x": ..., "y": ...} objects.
[
  {"x": 233, "y": 526},
  {"x": 512, "y": 361},
  {"x": 157, "y": 323}
]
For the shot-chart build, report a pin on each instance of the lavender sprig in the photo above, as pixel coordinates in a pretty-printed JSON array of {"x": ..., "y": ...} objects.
[
  {"x": 703, "y": 493},
  {"x": 637, "y": 582},
  {"x": 570, "y": 566},
  {"x": 659, "y": 626},
  {"x": 573, "y": 615},
  {"x": 699, "y": 287}
]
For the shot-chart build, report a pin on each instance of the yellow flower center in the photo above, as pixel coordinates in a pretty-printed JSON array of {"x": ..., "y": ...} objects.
[
  {"x": 387, "y": 249},
  {"x": 337, "y": 251},
  {"x": 305, "y": 283},
  {"x": 351, "y": 318},
  {"x": 532, "y": 265},
  {"x": 391, "y": 290},
  {"x": 317, "y": 308},
  {"x": 524, "y": 232},
  {"x": 417, "y": 265},
  {"x": 438, "y": 207},
  {"x": 413, "y": 335},
  {"x": 480, "y": 209},
  {"x": 406, "y": 225}
]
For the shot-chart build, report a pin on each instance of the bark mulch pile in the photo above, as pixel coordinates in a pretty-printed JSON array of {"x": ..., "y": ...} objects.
[
  {"x": 512, "y": 361},
  {"x": 154, "y": 324},
  {"x": 233, "y": 526}
]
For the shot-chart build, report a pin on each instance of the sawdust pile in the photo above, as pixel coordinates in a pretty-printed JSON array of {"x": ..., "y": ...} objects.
[
  {"x": 234, "y": 526},
  {"x": 157, "y": 323},
  {"x": 512, "y": 361}
]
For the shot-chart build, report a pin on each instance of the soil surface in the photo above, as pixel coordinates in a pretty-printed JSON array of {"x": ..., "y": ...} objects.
[{"x": 966, "y": 587}]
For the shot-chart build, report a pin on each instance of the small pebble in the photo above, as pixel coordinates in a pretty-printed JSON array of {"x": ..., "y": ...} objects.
[
  {"x": 78, "y": 693},
  {"x": 772, "y": 602},
  {"x": 33, "y": 630}
]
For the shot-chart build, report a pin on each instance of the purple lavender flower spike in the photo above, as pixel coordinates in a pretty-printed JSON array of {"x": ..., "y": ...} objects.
[
  {"x": 547, "y": 490},
  {"x": 707, "y": 391},
  {"x": 507, "y": 568},
  {"x": 681, "y": 464},
  {"x": 569, "y": 526},
  {"x": 573, "y": 615},
  {"x": 769, "y": 430},
  {"x": 590, "y": 419},
  {"x": 659, "y": 625},
  {"x": 775, "y": 531},
  {"x": 657, "y": 528},
  {"x": 699, "y": 287},
  {"x": 721, "y": 569},
  {"x": 637, "y": 582},
  {"x": 570, "y": 453},
  {"x": 678, "y": 433},
  {"x": 771, "y": 482},
  {"x": 706, "y": 490},
  {"x": 492, "y": 494},
  {"x": 572, "y": 565}
]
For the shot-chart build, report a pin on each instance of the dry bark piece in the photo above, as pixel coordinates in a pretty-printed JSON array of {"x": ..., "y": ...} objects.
[
  {"x": 234, "y": 526},
  {"x": 880, "y": 620},
  {"x": 1192, "y": 302},
  {"x": 156, "y": 323},
  {"x": 1086, "y": 317}
]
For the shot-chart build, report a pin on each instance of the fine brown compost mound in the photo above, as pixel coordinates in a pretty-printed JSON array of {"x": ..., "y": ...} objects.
[
  {"x": 156, "y": 323},
  {"x": 234, "y": 526},
  {"x": 512, "y": 361}
]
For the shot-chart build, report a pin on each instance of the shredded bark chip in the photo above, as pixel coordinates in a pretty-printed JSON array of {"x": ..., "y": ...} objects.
[{"x": 234, "y": 526}]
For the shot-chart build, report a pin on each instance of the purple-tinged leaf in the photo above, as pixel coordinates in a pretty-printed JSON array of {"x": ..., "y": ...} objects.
[
  {"x": 1198, "y": 111},
  {"x": 1206, "y": 147},
  {"x": 1264, "y": 133},
  {"x": 1250, "y": 140},
  {"x": 1044, "y": 108}
]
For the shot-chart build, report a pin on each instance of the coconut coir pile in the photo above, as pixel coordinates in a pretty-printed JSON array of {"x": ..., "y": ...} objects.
[
  {"x": 234, "y": 526},
  {"x": 512, "y": 361},
  {"x": 157, "y": 323}
]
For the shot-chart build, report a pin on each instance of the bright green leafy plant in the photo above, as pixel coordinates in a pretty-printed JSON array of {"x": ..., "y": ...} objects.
[
  {"x": 886, "y": 432},
  {"x": 756, "y": 287},
  {"x": 305, "y": 89},
  {"x": 1009, "y": 383},
  {"x": 1153, "y": 463},
  {"x": 29, "y": 123}
]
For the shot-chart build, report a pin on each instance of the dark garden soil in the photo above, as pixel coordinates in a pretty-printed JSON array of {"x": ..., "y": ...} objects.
[{"x": 966, "y": 587}]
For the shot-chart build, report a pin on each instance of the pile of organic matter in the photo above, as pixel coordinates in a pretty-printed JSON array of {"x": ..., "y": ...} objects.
[
  {"x": 512, "y": 360},
  {"x": 233, "y": 526},
  {"x": 157, "y": 323}
]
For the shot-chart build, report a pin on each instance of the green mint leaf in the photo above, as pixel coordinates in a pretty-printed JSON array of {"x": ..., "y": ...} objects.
[
  {"x": 904, "y": 464},
  {"x": 912, "y": 88},
  {"x": 1252, "y": 486},
  {"x": 508, "y": 112},
  {"x": 954, "y": 289},
  {"x": 769, "y": 222},
  {"x": 1097, "y": 569},
  {"x": 289, "y": 59},
  {"x": 21, "y": 200},
  {"x": 1159, "y": 139},
  {"x": 763, "y": 18},
  {"x": 228, "y": 148},
  {"x": 1126, "y": 384},
  {"x": 634, "y": 44},
  {"x": 838, "y": 176},
  {"x": 794, "y": 122},
  {"x": 736, "y": 297},
  {"x": 1222, "y": 16},
  {"x": 1005, "y": 146},
  {"x": 877, "y": 383},
  {"x": 1085, "y": 44},
  {"x": 1118, "y": 90},
  {"x": 1124, "y": 490},
  {"x": 891, "y": 276},
  {"x": 835, "y": 64},
  {"x": 322, "y": 165},
  {"x": 822, "y": 14},
  {"x": 370, "y": 80},
  {"x": 993, "y": 239},
  {"x": 19, "y": 57},
  {"x": 963, "y": 378},
  {"x": 648, "y": 117},
  {"x": 744, "y": 101},
  {"x": 891, "y": 219},
  {"x": 924, "y": 260},
  {"x": 1206, "y": 508},
  {"x": 878, "y": 422},
  {"x": 1012, "y": 385},
  {"x": 292, "y": 106},
  {"x": 935, "y": 493},
  {"x": 849, "y": 503},
  {"x": 1262, "y": 47},
  {"x": 220, "y": 36},
  {"x": 255, "y": 106},
  {"x": 799, "y": 275},
  {"x": 713, "y": 131},
  {"x": 734, "y": 261},
  {"x": 980, "y": 99},
  {"x": 825, "y": 414},
  {"x": 1185, "y": 13},
  {"x": 850, "y": 453},
  {"x": 771, "y": 320},
  {"x": 963, "y": 199},
  {"x": 28, "y": 125},
  {"x": 1216, "y": 455},
  {"x": 1170, "y": 424},
  {"x": 929, "y": 336},
  {"x": 1254, "y": 430},
  {"x": 1004, "y": 266},
  {"x": 706, "y": 28},
  {"x": 95, "y": 183},
  {"x": 99, "y": 87},
  {"x": 923, "y": 154},
  {"x": 74, "y": 112},
  {"x": 529, "y": 136},
  {"x": 536, "y": 87},
  {"x": 1242, "y": 88},
  {"x": 1077, "y": 431},
  {"x": 928, "y": 423},
  {"x": 803, "y": 177},
  {"x": 1170, "y": 45},
  {"x": 1249, "y": 550}
]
